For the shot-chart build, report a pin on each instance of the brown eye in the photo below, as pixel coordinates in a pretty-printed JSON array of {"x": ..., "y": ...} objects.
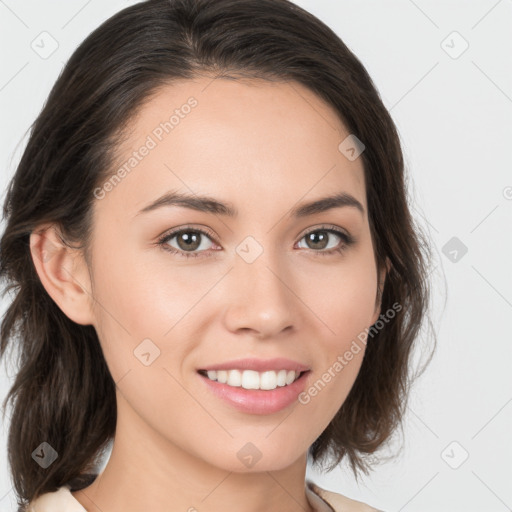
[
  {"x": 319, "y": 240},
  {"x": 189, "y": 242}
]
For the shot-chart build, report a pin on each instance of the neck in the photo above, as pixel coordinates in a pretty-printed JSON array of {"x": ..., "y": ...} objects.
[{"x": 147, "y": 472}]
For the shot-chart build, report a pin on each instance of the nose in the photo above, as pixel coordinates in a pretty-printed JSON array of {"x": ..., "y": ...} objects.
[{"x": 260, "y": 298}]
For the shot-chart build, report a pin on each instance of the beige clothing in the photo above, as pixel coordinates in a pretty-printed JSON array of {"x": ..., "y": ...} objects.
[{"x": 320, "y": 500}]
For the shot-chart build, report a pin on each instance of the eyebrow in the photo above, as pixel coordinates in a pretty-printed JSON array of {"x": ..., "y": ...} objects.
[{"x": 211, "y": 205}]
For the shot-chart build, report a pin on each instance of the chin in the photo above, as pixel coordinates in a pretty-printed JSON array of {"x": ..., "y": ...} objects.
[{"x": 256, "y": 456}]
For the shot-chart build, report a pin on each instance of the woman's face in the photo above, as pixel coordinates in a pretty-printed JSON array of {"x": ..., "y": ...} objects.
[{"x": 254, "y": 287}]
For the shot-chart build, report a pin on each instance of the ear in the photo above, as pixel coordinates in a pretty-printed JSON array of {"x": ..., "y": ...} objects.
[
  {"x": 382, "y": 279},
  {"x": 63, "y": 273}
]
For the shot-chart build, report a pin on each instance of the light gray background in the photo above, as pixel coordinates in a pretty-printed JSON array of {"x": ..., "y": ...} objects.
[{"x": 454, "y": 115}]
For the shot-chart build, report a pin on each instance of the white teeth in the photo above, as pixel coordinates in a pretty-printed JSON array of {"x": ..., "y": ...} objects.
[
  {"x": 281, "y": 378},
  {"x": 234, "y": 378},
  {"x": 268, "y": 380},
  {"x": 250, "y": 379}
]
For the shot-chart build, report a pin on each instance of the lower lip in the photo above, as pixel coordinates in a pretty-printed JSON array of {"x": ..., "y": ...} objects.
[{"x": 258, "y": 401}]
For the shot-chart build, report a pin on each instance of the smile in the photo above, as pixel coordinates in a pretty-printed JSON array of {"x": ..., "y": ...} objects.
[{"x": 251, "y": 379}]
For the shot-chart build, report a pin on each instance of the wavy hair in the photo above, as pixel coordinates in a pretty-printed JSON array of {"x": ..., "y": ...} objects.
[{"x": 63, "y": 392}]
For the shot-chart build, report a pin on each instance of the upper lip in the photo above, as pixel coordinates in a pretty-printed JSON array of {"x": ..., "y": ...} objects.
[{"x": 259, "y": 365}]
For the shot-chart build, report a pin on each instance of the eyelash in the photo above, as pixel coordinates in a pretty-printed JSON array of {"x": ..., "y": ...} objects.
[{"x": 347, "y": 241}]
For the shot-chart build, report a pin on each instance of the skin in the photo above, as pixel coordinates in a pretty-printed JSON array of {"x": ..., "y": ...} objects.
[{"x": 264, "y": 147}]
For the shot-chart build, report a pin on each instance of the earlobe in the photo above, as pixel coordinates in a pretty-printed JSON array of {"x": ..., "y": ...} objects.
[{"x": 63, "y": 273}]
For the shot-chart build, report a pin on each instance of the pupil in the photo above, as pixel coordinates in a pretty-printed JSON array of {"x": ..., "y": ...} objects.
[
  {"x": 190, "y": 240},
  {"x": 320, "y": 235}
]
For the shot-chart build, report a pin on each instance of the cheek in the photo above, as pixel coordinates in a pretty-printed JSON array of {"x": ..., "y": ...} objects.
[
  {"x": 140, "y": 293},
  {"x": 336, "y": 370},
  {"x": 140, "y": 319},
  {"x": 343, "y": 297},
  {"x": 346, "y": 305},
  {"x": 144, "y": 304},
  {"x": 353, "y": 305}
]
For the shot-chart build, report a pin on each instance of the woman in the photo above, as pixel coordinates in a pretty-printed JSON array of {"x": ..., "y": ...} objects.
[{"x": 215, "y": 267}]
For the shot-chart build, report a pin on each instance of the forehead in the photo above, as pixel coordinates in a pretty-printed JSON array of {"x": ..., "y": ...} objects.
[{"x": 252, "y": 139}]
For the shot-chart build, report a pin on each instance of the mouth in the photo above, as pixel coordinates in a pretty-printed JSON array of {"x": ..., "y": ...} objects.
[
  {"x": 254, "y": 380},
  {"x": 256, "y": 386},
  {"x": 256, "y": 392}
]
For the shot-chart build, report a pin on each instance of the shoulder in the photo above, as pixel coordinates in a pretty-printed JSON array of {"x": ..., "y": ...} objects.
[
  {"x": 338, "y": 502},
  {"x": 60, "y": 500}
]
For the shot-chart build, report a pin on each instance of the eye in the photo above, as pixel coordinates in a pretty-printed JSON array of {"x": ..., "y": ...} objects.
[
  {"x": 318, "y": 240},
  {"x": 188, "y": 240}
]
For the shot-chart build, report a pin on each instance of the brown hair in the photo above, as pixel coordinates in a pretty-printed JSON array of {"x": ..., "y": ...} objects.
[{"x": 63, "y": 392}]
